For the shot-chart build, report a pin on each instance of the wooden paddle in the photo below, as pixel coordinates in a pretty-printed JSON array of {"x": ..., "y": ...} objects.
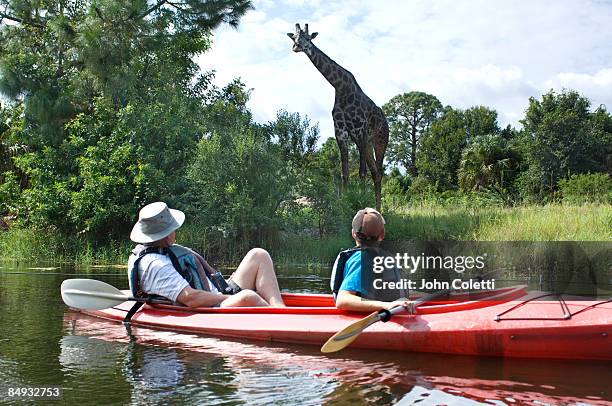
[
  {"x": 348, "y": 334},
  {"x": 92, "y": 294}
]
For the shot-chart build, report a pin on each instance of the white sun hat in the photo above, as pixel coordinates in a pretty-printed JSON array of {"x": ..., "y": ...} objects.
[{"x": 156, "y": 221}]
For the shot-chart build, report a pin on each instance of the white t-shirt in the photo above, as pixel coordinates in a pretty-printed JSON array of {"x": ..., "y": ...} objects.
[{"x": 158, "y": 276}]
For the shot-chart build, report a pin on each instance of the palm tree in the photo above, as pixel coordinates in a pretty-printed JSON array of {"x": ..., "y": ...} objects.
[{"x": 486, "y": 164}]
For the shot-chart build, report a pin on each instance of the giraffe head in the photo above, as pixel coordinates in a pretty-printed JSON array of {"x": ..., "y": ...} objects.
[{"x": 302, "y": 39}]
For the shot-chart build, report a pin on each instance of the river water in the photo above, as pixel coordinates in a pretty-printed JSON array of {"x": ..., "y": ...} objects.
[{"x": 43, "y": 344}]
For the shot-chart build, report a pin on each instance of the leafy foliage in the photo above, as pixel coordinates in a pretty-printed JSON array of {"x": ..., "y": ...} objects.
[
  {"x": 488, "y": 163},
  {"x": 441, "y": 149},
  {"x": 587, "y": 188},
  {"x": 562, "y": 137},
  {"x": 409, "y": 115}
]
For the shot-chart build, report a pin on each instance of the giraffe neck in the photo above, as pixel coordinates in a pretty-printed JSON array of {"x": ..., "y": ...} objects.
[{"x": 341, "y": 79}]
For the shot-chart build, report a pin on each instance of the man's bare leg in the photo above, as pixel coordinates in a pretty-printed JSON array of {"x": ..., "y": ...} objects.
[
  {"x": 256, "y": 272},
  {"x": 245, "y": 297}
]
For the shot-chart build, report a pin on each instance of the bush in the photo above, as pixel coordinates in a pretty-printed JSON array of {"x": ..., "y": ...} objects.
[
  {"x": 587, "y": 188},
  {"x": 236, "y": 184},
  {"x": 357, "y": 195},
  {"x": 393, "y": 194},
  {"x": 488, "y": 163},
  {"x": 9, "y": 193},
  {"x": 422, "y": 189}
]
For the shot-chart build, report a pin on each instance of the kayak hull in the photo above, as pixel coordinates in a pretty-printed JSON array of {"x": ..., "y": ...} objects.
[{"x": 515, "y": 324}]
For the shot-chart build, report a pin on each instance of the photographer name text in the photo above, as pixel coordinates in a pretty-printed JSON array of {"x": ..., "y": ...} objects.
[{"x": 434, "y": 284}]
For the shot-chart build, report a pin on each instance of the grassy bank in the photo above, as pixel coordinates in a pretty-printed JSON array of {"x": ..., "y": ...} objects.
[
  {"x": 425, "y": 222},
  {"x": 524, "y": 223}
]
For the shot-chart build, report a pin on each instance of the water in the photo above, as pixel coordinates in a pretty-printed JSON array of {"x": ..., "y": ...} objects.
[{"x": 42, "y": 343}]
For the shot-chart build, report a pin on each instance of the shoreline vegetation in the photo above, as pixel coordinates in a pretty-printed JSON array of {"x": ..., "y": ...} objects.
[{"x": 553, "y": 222}]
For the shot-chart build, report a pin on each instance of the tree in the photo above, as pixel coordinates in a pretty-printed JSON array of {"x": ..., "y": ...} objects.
[
  {"x": 409, "y": 115},
  {"x": 6, "y": 147},
  {"x": 562, "y": 137},
  {"x": 480, "y": 120},
  {"x": 57, "y": 56},
  {"x": 9, "y": 149},
  {"x": 441, "y": 148},
  {"x": 294, "y": 140},
  {"x": 443, "y": 143},
  {"x": 295, "y": 137},
  {"x": 113, "y": 102},
  {"x": 322, "y": 183},
  {"x": 237, "y": 180},
  {"x": 488, "y": 163}
]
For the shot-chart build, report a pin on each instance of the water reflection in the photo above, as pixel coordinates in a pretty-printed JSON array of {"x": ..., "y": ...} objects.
[
  {"x": 98, "y": 362},
  {"x": 165, "y": 366},
  {"x": 80, "y": 354}
]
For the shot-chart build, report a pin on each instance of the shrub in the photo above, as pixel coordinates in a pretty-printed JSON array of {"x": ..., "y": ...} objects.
[
  {"x": 587, "y": 188},
  {"x": 237, "y": 184},
  {"x": 393, "y": 194},
  {"x": 357, "y": 195},
  {"x": 9, "y": 193}
]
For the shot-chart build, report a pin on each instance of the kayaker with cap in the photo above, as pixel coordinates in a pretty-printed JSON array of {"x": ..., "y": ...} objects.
[
  {"x": 158, "y": 266},
  {"x": 352, "y": 275}
]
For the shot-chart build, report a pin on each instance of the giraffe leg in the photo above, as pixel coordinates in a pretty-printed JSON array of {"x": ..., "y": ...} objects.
[
  {"x": 380, "y": 140},
  {"x": 378, "y": 191},
  {"x": 360, "y": 138},
  {"x": 343, "y": 147},
  {"x": 376, "y": 172},
  {"x": 363, "y": 170}
]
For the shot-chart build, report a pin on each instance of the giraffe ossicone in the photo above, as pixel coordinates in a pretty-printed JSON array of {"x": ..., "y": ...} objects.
[{"x": 356, "y": 116}]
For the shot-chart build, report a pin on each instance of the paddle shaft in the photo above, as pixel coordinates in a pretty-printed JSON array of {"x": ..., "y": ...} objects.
[
  {"x": 420, "y": 301},
  {"x": 385, "y": 315},
  {"x": 115, "y": 296}
]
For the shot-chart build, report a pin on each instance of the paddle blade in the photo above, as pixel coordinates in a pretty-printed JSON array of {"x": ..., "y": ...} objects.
[
  {"x": 91, "y": 294},
  {"x": 347, "y": 335}
]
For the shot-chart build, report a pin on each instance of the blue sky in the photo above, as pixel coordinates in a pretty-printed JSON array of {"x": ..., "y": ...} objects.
[{"x": 465, "y": 52}]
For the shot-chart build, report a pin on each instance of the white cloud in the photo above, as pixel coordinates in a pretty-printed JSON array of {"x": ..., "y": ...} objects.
[
  {"x": 467, "y": 53},
  {"x": 597, "y": 86}
]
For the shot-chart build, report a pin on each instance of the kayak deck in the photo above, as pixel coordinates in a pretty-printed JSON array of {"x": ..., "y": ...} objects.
[
  {"x": 324, "y": 303},
  {"x": 464, "y": 324}
]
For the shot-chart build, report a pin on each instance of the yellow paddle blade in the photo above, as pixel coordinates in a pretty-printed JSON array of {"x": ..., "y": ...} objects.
[{"x": 347, "y": 335}]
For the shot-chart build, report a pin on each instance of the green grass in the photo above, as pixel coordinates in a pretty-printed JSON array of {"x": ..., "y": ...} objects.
[
  {"x": 549, "y": 223},
  {"x": 43, "y": 245},
  {"x": 555, "y": 222}
]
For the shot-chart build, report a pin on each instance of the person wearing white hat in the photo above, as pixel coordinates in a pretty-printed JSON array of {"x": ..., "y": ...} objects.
[
  {"x": 159, "y": 267},
  {"x": 349, "y": 274}
]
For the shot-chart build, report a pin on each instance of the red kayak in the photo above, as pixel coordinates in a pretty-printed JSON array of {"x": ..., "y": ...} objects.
[{"x": 508, "y": 322}]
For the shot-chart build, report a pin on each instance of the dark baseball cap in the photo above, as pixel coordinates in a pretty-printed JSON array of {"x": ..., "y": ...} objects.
[{"x": 368, "y": 224}]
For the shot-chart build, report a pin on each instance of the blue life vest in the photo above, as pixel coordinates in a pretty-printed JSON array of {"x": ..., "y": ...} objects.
[
  {"x": 183, "y": 260},
  {"x": 367, "y": 274}
]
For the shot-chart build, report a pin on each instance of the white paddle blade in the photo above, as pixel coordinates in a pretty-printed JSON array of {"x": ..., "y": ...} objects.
[{"x": 91, "y": 294}]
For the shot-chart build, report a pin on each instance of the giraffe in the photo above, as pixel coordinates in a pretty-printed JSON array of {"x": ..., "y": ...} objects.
[{"x": 356, "y": 117}]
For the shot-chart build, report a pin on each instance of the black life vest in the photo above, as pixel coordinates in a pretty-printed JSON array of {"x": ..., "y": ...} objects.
[{"x": 367, "y": 275}]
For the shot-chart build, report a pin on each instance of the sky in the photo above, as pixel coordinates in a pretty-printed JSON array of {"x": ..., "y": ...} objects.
[{"x": 465, "y": 52}]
